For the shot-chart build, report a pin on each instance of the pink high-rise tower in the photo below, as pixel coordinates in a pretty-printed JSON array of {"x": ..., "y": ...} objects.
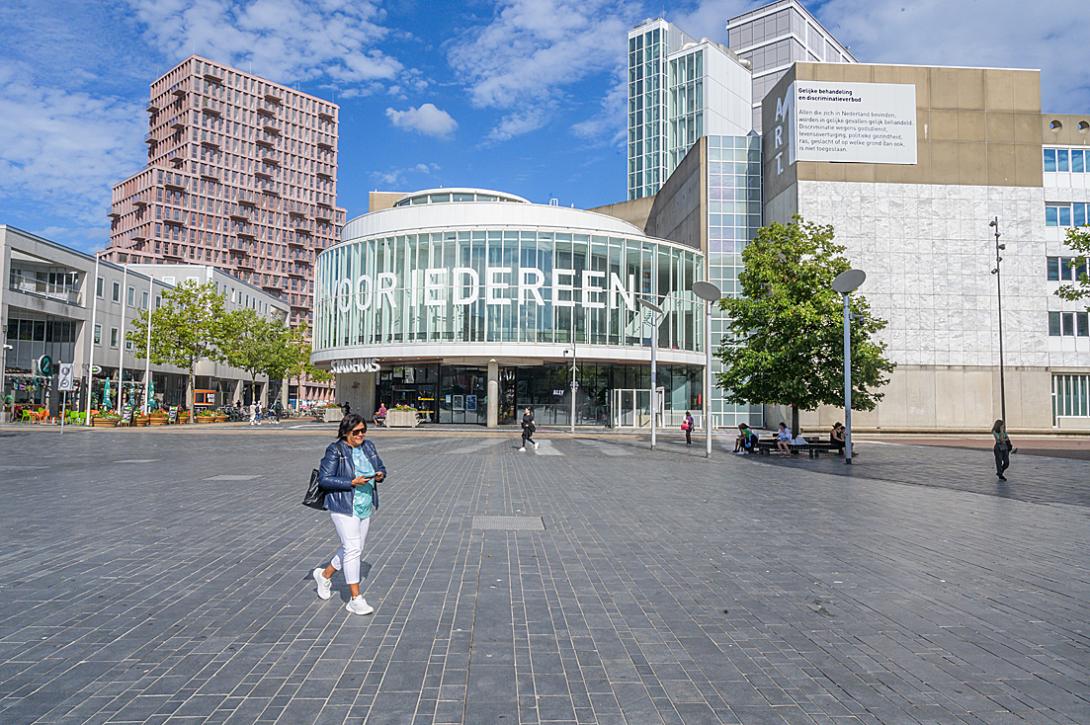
[{"x": 241, "y": 175}]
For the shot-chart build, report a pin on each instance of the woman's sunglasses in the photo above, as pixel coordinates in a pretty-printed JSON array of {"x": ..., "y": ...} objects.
[{"x": 357, "y": 431}]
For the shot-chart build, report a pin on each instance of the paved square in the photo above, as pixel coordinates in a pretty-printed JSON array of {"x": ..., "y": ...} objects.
[{"x": 663, "y": 588}]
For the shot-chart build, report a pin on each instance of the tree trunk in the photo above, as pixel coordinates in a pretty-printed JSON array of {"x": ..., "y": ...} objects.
[
  {"x": 192, "y": 397},
  {"x": 794, "y": 421}
]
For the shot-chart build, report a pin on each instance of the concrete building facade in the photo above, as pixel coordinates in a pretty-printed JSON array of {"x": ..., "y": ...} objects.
[{"x": 983, "y": 151}]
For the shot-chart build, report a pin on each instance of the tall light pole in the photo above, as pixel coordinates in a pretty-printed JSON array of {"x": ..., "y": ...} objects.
[
  {"x": 845, "y": 283},
  {"x": 574, "y": 385},
  {"x": 709, "y": 293},
  {"x": 655, "y": 311},
  {"x": 994, "y": 223},
  {"x": 147, "y": 348},
  {"x": 90, "y": 336},
  {"x": 121, "y": 342}
]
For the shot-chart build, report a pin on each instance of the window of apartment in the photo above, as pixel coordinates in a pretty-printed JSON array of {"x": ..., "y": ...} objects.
[
  {"x": 131, "y": 299},
  {"x": 113, "y": 337},
  {"x": 1065, "y": 269},
  {"x": 128, "y": 344},
  {"x": 1069, "y": 324},
  {"x": 117, "y": 292},
  {"x": 158, "y": 301},
  {"x": 1077, "y": 161},
  {"x": 98, "y": 334},
  {"x": 98, "y": 287}
]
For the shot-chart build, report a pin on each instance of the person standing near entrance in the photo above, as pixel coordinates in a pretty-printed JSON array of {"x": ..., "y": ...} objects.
[
  {"x": 349, "y": 471},
  {"x": 253, "y": 413},
  {"x": 1002, "y": 449},
  {"x": 687, "y": 426},
  {"x": 528, "y": 429}
]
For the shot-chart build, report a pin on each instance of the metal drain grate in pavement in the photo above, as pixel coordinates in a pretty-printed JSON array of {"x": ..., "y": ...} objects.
[
  {"x": 509, "y": 523},
  {"x": 232, "y": 478}
]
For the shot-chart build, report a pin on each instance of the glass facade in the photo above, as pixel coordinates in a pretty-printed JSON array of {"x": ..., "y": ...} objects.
[
  {"x": 646, "y": 103},
  {"x": 506, "y": 286},
  {"x": 734, "y": 216}
]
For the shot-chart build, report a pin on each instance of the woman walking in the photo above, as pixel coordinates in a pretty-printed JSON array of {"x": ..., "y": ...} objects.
[
  {"x": 528, "y": 429},
  {"x": 687, "y": 426},
  {"x": 349, "y": 471},
  {"x": 1002, "y": 449}
]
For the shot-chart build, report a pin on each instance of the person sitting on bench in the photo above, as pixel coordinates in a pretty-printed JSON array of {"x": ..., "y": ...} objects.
[
  {"x": 783, "y": 439},
  {"x": 746, "y": 440},
  {"x": 836, "y": 437},
  {"x": 380, "y": 414}
]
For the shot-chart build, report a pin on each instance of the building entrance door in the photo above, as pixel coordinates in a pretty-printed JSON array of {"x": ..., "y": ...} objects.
[
  {"x": 631, "y": 408},
  {"x": 463, "y": 395}
]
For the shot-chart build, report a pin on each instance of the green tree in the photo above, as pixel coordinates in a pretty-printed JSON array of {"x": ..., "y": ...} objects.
[
  {"x": 297, "y": 357},
  {"x": 255, "y": 345},
  {"x": 1078, "y": 239},
  {"x": 188, "y": 327},
  {"x": 786, "y": 342}
]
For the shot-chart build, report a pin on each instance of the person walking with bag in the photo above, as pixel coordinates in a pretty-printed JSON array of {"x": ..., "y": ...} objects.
[
  {"x": 687, "y": 426},
  {"x": 528, "y": 428},
  {"x": 348, "y": 474},
  {"x": 1002, "y": 449}
]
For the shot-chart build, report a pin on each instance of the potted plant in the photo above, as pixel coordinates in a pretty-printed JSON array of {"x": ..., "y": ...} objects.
[
  {"x": 108, "y": 419},
  {"x": 401, "y": 416},
  {"x": 331, "y": 413},
  {"x": 140, "y": 420},
  {"x": 221, "y": 417},
  {"x": 183, "y": 416},
  {"x": 157, "y": 417},
  {"x": 206, "y": 416}
]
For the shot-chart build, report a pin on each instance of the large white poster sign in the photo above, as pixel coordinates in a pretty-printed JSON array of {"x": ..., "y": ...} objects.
[{"x": 871, "y": 123}]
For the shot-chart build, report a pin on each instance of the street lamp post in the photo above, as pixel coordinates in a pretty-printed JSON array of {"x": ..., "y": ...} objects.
[
  {"x": 656, "y": 311},
  {"x": 845, "y": 283},
  {"x": 709, "y": 293},
  {"x": 994, "y": 223},
  {"x": 147, "y": 348},
  {"x": 90, "y": 337},
  {"x": 574, "y": 388},
  {"x": 121, "y": 342}
]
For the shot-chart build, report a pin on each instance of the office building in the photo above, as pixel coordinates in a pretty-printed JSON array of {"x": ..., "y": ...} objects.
[
  {"x": 241, "y": 176},
  {"x": 679, "y": 89},
  {"x": 54, "y": 304},
  {"x": 772, "y": 37}
]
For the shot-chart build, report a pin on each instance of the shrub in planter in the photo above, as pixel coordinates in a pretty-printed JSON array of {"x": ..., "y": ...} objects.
[
  {"x": 157, "y": 417},
  {"x": 106, "y": 420}
]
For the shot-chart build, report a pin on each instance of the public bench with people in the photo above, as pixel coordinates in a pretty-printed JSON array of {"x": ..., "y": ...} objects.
[{"x": 813, "y": 447}]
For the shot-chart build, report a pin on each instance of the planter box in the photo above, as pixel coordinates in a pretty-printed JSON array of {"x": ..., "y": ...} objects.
[
  {"x": 205, "y": 419},
  {"x": 221, "y": 419},
  {"x": 157, "y": 420},
  {"x": 104, "y": 422},
  {"x": 332, "y": 415},
  {"x": 401, "y": 419},
  {"x": 141, "y": 421}
]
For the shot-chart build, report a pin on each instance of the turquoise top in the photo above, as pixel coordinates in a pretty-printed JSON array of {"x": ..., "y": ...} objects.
[{"x": 361, "y": 495}]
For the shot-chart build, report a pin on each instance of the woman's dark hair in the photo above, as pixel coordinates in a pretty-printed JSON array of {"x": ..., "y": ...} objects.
[{"x": 349, "y": 422}]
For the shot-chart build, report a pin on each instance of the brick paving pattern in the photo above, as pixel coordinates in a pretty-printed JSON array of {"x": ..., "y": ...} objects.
[{"x": 664, "y": 589}]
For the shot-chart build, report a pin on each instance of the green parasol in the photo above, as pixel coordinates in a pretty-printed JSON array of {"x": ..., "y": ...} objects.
[{"x": 106, "y": 394}]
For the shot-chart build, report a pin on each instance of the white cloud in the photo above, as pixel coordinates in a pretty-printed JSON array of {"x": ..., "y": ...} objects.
[
  {"x": 533, "y": 51},
  {"x": 393, "y": 178},
  {"x": 997, "y": 33},
  {"x": 284, "y": 40},
  {"x": 609, "y": 125},
  {"x": 426, "y": 119},
  {"x": 61, "y": 151}
]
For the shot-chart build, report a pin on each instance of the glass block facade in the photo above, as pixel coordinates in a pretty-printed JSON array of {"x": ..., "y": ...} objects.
[
  {"x": 646, "y": 103},
  {"x": 734, "y": 216}
]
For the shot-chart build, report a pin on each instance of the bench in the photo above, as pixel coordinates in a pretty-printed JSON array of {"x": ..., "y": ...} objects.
[{"x": 813, "y": 448}]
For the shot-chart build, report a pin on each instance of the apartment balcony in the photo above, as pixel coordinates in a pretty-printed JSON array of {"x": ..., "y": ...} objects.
[
  {"x": 178, "y": 126},
  {"x": 271, "y": 128},
  {"x": 262, "y": 176},
  {"x": 244, "y": 235},
  {"x": 179, "y": 93},
  {"x": 302, "y": 227},
  {"x": 177, "y": 162},
  {"x": 114, "y": 215},
  {"x": 212, "y": 111},
  {"x": 174, "y": 257},
  {"x": 326, "y": 117},
  {"x": 265, "y": 145},
  {"x": 139, "y": 204},
  {"x": 265, "y": 112},
  {"x": 239, "y": 216},
  {"x": 323, "y": 217},
  {"x": 326, "y": 147},
  {"x": 236, "y": 251},
  {"x": 210, "y": 145},
  {"x": 150, "y": 140},
  {"x": 246, "y": 201},
  {"x": 175, "y": 222},
  {"x": 246, "y": 263},
  {"x": 270, "y": 161},
  {"x": 152, "y": 108},
  {"x": 213, "y": 78},
  {"x": 273, "y": 99},
  {"x": 174, "y": 186},
  {"x": 296, "y": 242}
]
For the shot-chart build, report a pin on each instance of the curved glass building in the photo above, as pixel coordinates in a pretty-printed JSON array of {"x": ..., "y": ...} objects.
[{"x": 468, "y": 304}]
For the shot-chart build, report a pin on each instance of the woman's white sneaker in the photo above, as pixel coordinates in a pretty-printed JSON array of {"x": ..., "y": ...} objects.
[
  {"x": 325, "y": 586},
  {"x": 359, "y": 605}
]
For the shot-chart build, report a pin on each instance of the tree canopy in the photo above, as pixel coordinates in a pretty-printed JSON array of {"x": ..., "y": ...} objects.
[
  {"x": 786, "y": 342},
  {"x": 1078, "y": 239}
]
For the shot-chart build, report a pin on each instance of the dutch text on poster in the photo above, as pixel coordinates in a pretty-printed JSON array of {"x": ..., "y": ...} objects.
[{"x": 871, "y": 123}]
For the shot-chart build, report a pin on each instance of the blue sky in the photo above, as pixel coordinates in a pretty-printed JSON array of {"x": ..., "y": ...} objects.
[{"x": 521, "y": 95}]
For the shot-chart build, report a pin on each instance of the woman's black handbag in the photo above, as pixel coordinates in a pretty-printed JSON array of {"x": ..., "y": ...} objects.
[
  {"x": 315, "y": 497},
  {"x": 374, "y": 495}
]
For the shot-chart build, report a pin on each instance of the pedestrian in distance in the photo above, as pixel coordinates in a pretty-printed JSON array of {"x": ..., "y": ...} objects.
[
  {"x": 528, "y": 428},
  {"x": 836, "y": 437},
  {"x": 346, "y": 408},
  {"x": 253, "y": 413},
  {"x": 687, "y": 426},
  {"x": 1002, "y": 449},
  {"x": 746, "y": 440},
  {"x": 349, "y": 472}
]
